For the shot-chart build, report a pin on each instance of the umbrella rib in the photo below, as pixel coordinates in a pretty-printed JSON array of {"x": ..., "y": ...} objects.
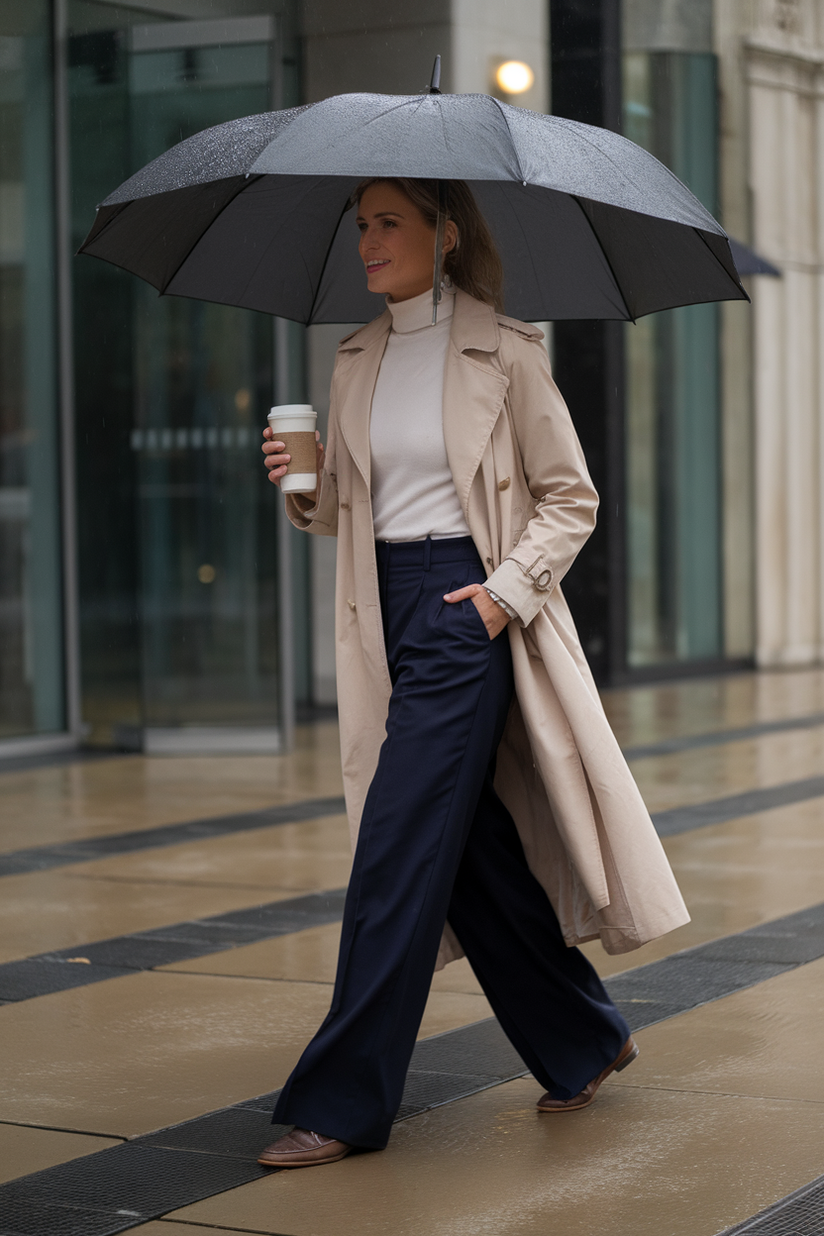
[
  {"x": 326, "y": 263},
  {"x": 631, "y": 180},
  {"x": 630, "y": 315},
  {"x": 511, "y": 140},
  {"x": 737, "y": 284},
  {"x": 247, "y": 180}
]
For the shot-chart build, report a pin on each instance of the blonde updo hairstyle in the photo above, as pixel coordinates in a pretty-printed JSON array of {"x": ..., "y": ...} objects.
[{"x": 473, "y": 263}]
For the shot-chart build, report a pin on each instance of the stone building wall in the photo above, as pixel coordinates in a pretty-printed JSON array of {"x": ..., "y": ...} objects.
[{"x": 782, "y": 62}]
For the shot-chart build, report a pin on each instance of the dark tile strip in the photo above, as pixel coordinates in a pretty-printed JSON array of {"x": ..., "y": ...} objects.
[
  {"x": 716, "y": 738},
  {"x": 83, "y": 964},
  {"x": 45, "y": 857},
  {"x": 800, "y": 1213},
  {"x": 707, "y": 972},
  {"x": 123, "y": 1186},
  {"x": 718, "y": 810},
  {"x": 674, "y": 820},
  {"x": 105, "y": 959}
]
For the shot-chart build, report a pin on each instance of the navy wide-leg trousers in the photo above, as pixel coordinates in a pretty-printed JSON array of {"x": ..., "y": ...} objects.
[{"x": 435, "y": 843}]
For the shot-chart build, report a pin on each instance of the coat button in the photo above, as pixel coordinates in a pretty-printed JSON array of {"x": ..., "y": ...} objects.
[
  {"x": 489, "y": 561},
  {"x": 351, "y": 604},
  {"x": 504, "y": 484},
  {"x": 344, "y": 506}
]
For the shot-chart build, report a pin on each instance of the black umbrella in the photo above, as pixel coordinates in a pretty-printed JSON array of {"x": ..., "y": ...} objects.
[{"x": 254, "y": 212}]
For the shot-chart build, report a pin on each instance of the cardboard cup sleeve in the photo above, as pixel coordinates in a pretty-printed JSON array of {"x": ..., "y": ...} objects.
[{"x": 301, "y": 446}]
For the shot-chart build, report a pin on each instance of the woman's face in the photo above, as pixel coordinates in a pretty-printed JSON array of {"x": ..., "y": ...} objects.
[{"x": 397, "y": 245}]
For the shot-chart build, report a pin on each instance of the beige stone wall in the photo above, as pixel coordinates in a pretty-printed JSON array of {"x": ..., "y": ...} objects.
[
  {"x": 731, "y": 21},
  {"x": 782, "y": 58}
]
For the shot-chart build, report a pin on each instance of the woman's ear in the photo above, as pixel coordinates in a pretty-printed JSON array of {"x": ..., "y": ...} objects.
[{"x": 450, "y": 236}]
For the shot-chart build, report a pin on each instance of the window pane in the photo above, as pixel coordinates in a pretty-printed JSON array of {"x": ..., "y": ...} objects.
[
  {"x": 31, "y": 656},
  {"x": 672, "y": 394}
]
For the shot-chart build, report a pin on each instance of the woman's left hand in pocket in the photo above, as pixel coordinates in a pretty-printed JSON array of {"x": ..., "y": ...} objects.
[{"x": 494, "y": 617}]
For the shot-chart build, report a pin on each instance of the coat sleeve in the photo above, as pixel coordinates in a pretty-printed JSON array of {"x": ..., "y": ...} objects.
[
  {"x": 320, "y": 517},
  {"x": 556, "y": 475}
]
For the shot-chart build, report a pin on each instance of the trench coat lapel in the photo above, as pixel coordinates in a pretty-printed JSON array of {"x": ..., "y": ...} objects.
[
  {"x": 366, "y": 348},
  {"x": 474, "y": 390}
]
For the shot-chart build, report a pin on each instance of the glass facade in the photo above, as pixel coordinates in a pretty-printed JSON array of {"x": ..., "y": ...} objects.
[
  {"x": 31, "y": 609},
  {"x": 178, "y": 547},
  {"x": 673, "y": 475},
  {"x": 185, "y": 566}
]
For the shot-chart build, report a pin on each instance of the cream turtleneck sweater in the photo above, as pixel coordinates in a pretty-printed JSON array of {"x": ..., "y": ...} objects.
[{"x": 413, "y": 494}]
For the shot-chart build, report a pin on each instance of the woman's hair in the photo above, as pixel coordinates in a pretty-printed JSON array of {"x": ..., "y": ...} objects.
[{"x": 473, "y": 263}]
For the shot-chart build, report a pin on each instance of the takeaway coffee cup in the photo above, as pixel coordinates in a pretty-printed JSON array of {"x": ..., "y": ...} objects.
[{"x": 294, "y": 424}]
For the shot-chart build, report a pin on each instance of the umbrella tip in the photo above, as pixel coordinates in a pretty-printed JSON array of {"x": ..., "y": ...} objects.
[{"x": 435, "y": 83}]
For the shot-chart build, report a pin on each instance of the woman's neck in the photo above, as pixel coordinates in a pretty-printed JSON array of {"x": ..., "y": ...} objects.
[{"x": 416, "y": 313}]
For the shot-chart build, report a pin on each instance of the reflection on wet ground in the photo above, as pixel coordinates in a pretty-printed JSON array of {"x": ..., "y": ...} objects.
[{"x": 722, "y": 1114}]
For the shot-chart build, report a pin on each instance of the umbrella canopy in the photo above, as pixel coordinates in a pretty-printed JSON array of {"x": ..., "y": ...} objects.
[
  {"x": 748, "y": 262},
  {"x": 255, "y": 212}
]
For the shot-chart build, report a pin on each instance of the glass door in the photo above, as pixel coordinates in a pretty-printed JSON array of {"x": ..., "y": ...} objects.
[{"x": 175, "y": 393}]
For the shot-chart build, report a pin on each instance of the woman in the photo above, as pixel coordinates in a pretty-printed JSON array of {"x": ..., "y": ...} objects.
[{"x": 489, "y": 797}]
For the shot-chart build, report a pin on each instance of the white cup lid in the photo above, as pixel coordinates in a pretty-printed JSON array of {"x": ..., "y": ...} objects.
[{"x": 291, "y": 409}]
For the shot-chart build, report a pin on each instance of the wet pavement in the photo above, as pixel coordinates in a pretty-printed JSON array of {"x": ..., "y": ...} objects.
[{"x": 721, "y": 1116}]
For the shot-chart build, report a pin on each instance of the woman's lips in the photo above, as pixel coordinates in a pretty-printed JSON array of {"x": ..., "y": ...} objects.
[{"x": 373, "y": 266}]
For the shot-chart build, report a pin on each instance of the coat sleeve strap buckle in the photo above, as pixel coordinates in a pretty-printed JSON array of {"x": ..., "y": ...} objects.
[{"x": 541, "y": 578}]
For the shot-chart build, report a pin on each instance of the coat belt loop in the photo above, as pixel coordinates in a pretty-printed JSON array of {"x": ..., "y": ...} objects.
[{"x": 427, "y": 552}]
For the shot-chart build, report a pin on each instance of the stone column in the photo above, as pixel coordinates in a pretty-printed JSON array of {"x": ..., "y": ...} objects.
[{"x": 785, "y": 75}]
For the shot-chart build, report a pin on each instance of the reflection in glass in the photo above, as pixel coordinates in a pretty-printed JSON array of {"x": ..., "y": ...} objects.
[
  {"x": 31, "y": 656},
  {"x": 672, "y": 393},
  {"x": 178, "y": 551}
]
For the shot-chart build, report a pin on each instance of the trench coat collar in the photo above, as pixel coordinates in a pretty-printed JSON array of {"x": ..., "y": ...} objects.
[
  {"x": 474, "y": 325},
  {"x": 474, "y": 328},
  {"x": 473, "y": 390}
]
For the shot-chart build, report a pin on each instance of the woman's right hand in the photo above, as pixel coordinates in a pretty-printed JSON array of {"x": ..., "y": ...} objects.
[{"x": 276, "y": 460}]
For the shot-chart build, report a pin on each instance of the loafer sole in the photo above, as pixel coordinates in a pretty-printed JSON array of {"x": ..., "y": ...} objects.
[{"x": 294, "y": 1160}]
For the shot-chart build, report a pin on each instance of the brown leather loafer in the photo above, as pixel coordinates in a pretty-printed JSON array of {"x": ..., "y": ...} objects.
[
  {"x": 626, "y": 1056},
  {"x": 302, "y": 1148}
]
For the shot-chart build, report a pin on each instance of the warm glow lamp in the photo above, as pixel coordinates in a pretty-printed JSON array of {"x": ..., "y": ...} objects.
[{"x": 514, "y": 77}]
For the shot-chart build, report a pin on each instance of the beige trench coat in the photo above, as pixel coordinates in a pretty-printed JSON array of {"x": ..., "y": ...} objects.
[{"x": 530, "y": 505}]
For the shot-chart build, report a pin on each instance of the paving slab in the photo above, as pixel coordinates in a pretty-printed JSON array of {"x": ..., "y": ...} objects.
[
  {"x": 643, "y": 714},
  {"x": 96, "y": 798},
  {"x": 765, "y": 1042},
  {"x": 638, "y": 1163},
  {"x": 49, "y": 910},
  {"x": 24, "y": 1149},
  {"x": 152, "y": 1049},
  {"x": 706, "y": 773},
  {"x": 309, "y": 854}
]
